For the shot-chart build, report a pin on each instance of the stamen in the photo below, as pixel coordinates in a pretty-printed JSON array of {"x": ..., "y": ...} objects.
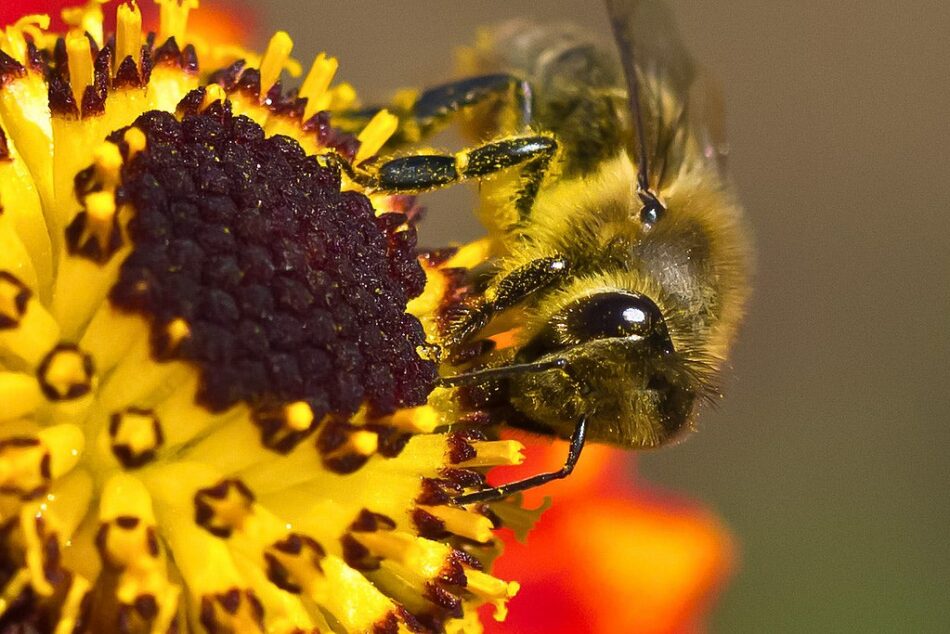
[
  {"x": 136, "y": 436},
  {"x": 293, "y": 563},
  {"x": 353, "y": 599},
  {"x": 24, "y": 240},
  {"x": 124, "y": 542},
  {"x": 100, "y": 209},
  {"x": 213, "y": 93},
  {"x": 176, "y": 331},
  {"x": 66, "y": 373},
  {"x": 419, "y": 420},
  {"x": 22, "y": 470},
  {"x": 29, "y": 463},
  {"x": 397, "y": 547},
  {"x": 493, "y": 590},
  {"x": 462, "y": 522},
  {"x": 283, "y": 428},
  {"x": 125, "y": 495},
  {"x": 276, "y": 56},
  {"x": 12, "y": 40},
  {"x": 224, "y": 507},
  {"x": 360, "y": 443},
  {"x": 173, "y": 19},
  {"x": 342, "y": 97},
  {"x": 128, "y": 33},
  {"x": 493, "y": 453},
  {"x": 72, "y": 611},
  {"x": 315, "y": 86},
  {"x": 374, "y": 136},
  {"x": 14, "y": 589},
  {"x": 108, "y": 162},
  {"x": 86, "y": 19},
  {"x": 35, "y": 541},
  {"x": 14, "y": 296},
  {"x": 65, "y": 444},
  {"x": 299, "y": 416},
  {"x": 80, "y": 65},
  {"x": 136, "y": 141},
  {"x": 419, "y": 560}
]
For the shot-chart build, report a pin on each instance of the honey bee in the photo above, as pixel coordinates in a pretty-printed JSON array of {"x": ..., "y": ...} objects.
[{"x": 619, "y": 257}]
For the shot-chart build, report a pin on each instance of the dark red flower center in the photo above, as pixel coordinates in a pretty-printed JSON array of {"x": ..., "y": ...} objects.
[{"x": 291, "y": 289}]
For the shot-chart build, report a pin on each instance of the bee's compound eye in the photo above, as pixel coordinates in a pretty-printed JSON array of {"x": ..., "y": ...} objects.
[
  {"x": 607, "y": 315},
  {"x": 618, "y": 315}
]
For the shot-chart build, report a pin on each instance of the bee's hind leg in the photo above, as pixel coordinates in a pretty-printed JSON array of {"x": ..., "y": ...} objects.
[
  {"x": 436, "y": 106},
  {"x": 423, "y": 113},
  {"x": 574, "y": 453}
]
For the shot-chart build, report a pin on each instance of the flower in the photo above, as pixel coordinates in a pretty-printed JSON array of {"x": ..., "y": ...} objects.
[
  {"x": 628, "y": 560},
  {"x": 214, "y": 386}
]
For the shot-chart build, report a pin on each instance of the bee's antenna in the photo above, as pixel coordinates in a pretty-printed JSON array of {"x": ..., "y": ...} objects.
[
  {"x": 619, "y": 22},
  {"x": 488, "y": 374}
]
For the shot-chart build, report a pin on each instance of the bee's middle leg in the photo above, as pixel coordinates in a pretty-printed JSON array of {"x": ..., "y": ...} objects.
[{"x": 509, "y": 291}]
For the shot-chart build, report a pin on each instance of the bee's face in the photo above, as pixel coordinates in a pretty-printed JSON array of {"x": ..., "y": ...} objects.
[{"x": 623, "y": 372}]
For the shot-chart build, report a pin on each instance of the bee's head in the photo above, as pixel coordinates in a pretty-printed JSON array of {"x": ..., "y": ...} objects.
[{"x": 623, "y": 371}]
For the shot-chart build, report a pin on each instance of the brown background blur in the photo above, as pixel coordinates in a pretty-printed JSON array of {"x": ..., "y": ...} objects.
[{"x": 828, "y": 458}]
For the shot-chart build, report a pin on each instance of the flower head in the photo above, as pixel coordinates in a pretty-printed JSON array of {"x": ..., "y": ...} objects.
[{"x": 213, "y": 368}]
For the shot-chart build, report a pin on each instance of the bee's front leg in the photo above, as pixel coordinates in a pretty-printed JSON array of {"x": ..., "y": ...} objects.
[
  {"x": 573, "y": 455},
  {"x": 509, "y": 291}
]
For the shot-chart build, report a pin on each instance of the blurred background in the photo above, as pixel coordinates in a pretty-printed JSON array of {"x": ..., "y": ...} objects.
[{"x": 828, "y": 458}]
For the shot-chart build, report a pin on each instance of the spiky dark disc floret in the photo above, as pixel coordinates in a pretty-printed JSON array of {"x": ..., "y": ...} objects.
[{"x": 291, "y": 289}]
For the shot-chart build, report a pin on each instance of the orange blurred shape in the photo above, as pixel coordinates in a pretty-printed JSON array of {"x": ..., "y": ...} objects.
[
  {"x": 601, "y": 566},
  {"x": 13, "y": 10},
  {"x": 216, "y": 22},
  {"x": 225, "y": 22},
  {"x": 607, "y": 557}
]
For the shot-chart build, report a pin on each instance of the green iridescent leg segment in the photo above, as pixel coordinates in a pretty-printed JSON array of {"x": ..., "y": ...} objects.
[
  {"x": 427, "y": 172},
  {"x": 421, "y": 114}
]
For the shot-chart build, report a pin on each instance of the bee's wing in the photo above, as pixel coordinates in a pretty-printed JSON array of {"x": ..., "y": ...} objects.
[
  {"x": 680, "y": 103},
  {"x": 707, "y": 118}
]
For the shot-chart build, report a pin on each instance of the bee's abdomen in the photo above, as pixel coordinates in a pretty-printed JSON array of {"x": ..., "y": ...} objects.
[
  {"x": 575, "y": 82},
  {"x": 553, "y": 55}
]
